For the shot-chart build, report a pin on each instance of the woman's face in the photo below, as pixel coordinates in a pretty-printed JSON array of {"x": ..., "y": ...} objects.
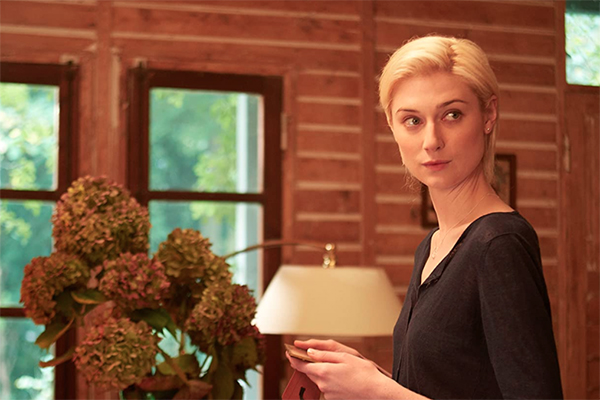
[{"x": 439, "y": 127}]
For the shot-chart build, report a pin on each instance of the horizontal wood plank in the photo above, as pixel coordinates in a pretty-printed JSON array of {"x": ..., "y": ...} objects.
[
  {"x": 399, "y": 214},
  {"x": 481, "y": 12},
  {"x": 41, "y": 14},
  {"x": 390, "y": 183},
  {"x": 235, "y": 25},
  {"x": 351, "y": 8},
  {"x": 388, "y": 153},
  {"x": 328, "y": 114},
  {"x": 328, "y": 231},
  {"x": 198, "y": 51},
  {"x": 328, "y": 85},
  {"x": 328, "y": 170},
  {"x": 392, "y": 35},
  {"x": 34, "y": 46},
  {"x": 397, "y": 244},
  {"x": 328, "y": 141},
  {"x": 332, "y": 201},
  {"x": 536, "y": 189}
]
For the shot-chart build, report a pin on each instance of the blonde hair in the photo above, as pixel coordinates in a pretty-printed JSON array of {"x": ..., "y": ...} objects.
[{"x": 460, "y": 57}]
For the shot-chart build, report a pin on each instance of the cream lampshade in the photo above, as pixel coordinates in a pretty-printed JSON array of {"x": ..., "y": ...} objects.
[{"x": 342, "y": 301}]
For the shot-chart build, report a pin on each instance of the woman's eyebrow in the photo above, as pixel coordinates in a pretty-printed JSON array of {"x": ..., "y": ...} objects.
[
  {"x": 442, "y": 105},
  {"x": 447, "y": 103}
]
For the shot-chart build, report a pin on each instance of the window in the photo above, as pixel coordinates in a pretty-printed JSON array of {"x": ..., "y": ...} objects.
[
  {"x": 37, "y": 143},
  {"x": 582, "y": 41},
  {"x": 205, "y": 154}
]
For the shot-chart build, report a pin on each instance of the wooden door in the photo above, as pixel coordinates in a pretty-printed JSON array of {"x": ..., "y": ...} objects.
[{"x": 580, "y": 255}]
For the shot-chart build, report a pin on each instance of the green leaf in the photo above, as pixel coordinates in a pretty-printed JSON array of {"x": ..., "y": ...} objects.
[
  {"x": 188, "y": 363},
  {"x": 245, "y": 352},
  {"x": 52, "y": 333},
  {"x": 58, "y": 360},
  {"x": 89, "y": 296},
  {"x": 65, "y": 304},
  {"x": 157, "y": 319},
  {"x": 223, "y": 382}
]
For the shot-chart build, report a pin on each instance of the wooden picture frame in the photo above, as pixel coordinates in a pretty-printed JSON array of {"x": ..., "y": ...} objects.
[{"x": 505, "y": 185}]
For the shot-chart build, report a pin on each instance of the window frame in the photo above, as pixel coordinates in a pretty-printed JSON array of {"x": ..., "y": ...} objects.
[
  {"x": 140, "y": 81},
  {"x": 66, "y": 78}
]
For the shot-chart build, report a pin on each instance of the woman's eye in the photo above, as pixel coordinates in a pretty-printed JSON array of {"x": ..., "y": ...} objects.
[
  {"x": 412, "y": 121},
  {"x": 453, "y": 115}
]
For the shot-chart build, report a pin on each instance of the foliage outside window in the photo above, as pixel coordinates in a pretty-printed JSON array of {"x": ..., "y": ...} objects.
[{"x": 582, "y": 41}]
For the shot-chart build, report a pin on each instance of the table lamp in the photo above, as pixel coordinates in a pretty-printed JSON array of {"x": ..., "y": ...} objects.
[{"x": 327, "y": 300}]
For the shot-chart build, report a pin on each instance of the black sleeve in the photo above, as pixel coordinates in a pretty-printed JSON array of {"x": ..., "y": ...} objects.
[{"x": 516, "y": 320}]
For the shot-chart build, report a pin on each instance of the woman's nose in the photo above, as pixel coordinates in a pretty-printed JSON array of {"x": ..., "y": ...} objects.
[{"x": 432, "y": 140}]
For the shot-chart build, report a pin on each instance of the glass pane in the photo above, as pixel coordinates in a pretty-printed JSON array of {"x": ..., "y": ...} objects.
[
  {"x": 229, "y": 227},
  {"x": 25, "y": 233},
  {"x": 20, "y": 375},
  {"x": 204, "y": 141},
  {"x": 28, "y": 136},
  {"x": 582, "y": 41}
]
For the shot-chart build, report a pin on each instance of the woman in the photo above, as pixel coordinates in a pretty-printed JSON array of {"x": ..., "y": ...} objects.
[{"x": 476, "y": 322}]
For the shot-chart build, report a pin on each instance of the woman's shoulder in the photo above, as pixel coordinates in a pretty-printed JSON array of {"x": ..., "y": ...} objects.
[{"x": 499, "y": 224}]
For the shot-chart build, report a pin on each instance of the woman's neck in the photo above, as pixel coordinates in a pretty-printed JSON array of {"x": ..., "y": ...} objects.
[{"x": 464, "y": 203}]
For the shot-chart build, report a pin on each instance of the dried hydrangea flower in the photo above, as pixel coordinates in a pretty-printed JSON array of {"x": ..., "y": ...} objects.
[
  {"x": 185, "y": 255},
  {"x": 134, "y": 281},
  {"x": 116, "y": 353},
  {"x": 98, "y": 220},
  {"x": 190, "y": 266},
  {"x": 222, "y": 316},
  {"x": 47, "y": 277}
]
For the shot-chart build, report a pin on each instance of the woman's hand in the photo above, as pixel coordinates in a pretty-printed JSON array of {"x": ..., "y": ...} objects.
[
  {"x": 326, "y": 345},
  {"x": 342, "y": 375}
]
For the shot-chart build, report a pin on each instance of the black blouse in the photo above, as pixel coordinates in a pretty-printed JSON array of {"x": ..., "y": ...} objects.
[{"x": 480, "y": 325}]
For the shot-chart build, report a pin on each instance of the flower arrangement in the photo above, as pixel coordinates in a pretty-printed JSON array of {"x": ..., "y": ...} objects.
[{"x": 101, "y": 273}]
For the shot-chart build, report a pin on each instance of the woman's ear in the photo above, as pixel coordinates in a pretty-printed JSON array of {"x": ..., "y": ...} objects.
[{"x": 490, "y": 114}]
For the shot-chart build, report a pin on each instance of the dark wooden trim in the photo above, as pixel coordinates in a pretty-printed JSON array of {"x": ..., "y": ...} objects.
[
  {"x": 29, "y": 195},
  {"x": 203, "y": 196},
  {"x": 35, "y": 74},
  {"x": 272, "y": 217},
  {"x": 368, "y": 151},
  {"x": 209, "y": 81},
  {"x": 12, "y": 312}
]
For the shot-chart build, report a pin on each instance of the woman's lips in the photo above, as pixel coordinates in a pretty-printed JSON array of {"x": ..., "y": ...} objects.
[{"x": 436, "y": 165}]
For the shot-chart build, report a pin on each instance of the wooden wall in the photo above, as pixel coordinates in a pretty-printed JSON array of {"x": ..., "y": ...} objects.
[{"x": 343, "y": 181}]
